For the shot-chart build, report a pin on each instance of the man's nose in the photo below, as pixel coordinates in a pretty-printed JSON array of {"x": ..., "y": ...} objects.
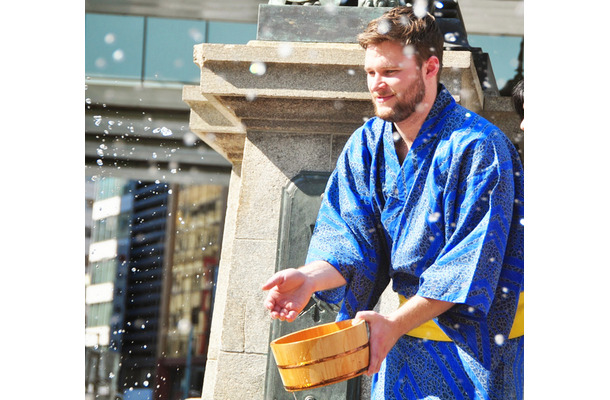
[{"x": 376, "y": 82}]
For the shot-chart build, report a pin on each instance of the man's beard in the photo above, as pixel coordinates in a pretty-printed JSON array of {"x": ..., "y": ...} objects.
[{"x": 403, "y": 108}]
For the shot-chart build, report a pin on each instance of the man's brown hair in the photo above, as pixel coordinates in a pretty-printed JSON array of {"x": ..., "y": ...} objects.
[{"x": 402, "y": 26}]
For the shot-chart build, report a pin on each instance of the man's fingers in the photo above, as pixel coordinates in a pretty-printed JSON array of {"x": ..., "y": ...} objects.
[{"x": 275, "y": 280}]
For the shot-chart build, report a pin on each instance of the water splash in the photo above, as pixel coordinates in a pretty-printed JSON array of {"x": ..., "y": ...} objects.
[{"x": 163, "y": 131}]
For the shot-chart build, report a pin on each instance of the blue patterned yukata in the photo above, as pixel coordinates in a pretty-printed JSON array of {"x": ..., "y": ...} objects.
[{"x": 447, "y": 224}]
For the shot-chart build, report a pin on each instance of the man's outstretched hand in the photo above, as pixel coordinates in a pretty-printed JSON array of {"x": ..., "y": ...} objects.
[
  {"x": 290, "y": 289},
  {"x": 289, "y": 292}
]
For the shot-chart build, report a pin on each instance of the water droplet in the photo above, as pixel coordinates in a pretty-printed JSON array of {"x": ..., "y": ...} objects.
[
  {"x": 499, "y": 339},
  {"x": 196, "y": 35},
  {"x": 251, "y": 95},
  {"x": 100, "y": 162},
  {"x": 420, "y": 8},
  {"x": 189, "y": 138},
  {"x": 330, "y": 8},
  {"x": 109, "y": 38},
  {"x": 408, "y": 50},
  {"x": 383, "y": 27},
  {"x": 100, "y": 63},
  {"x": 285, "y": 50},
  {"x": 118, "y": 55},
  {"x": 434, "y": 217},
  {"x": 258, "y": 68},
  {"x": 184, "y": 325},
  {"x": 450, "y": 37},
  {"x": 163, "y": 131}
]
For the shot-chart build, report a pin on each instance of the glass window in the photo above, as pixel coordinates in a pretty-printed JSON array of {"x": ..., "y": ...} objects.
[
  {"x": 503, "y": 52},
  {"x": 114, "y": 45},
  {"x": 98, "y": 314},
  {"x": 231, "y": 32},
  {"x": 103, "y": 271},
  {"x": 110, "y": 187},
  {"x": 169, "y": 49}
]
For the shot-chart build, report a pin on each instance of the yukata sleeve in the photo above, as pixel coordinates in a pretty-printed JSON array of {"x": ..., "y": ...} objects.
[
  {"x": 477, "y": 210},
  {"x": 348, "y": 233}
]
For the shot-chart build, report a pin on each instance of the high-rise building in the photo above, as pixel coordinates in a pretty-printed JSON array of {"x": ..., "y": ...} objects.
[
  {"x": 111, "y": 213},
  {"x": 151, "y": 276}
]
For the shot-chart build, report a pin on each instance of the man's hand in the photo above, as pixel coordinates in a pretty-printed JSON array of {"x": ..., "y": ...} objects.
[
  {"x": 383, "y": 335},
  {"x": 384, "y": 331},
  {"x": 289, "y": 292},
  {"x": 290, "y": 289}
]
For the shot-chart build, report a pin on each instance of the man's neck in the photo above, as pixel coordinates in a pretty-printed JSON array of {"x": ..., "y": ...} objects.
[{"x": 409, "y": 128}]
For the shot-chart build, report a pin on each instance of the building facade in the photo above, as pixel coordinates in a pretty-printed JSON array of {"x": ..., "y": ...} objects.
[{"x": 150, "y": 281}]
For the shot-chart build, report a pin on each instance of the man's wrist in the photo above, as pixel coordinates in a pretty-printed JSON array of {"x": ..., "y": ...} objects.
[{"x": 322, "y": 275}]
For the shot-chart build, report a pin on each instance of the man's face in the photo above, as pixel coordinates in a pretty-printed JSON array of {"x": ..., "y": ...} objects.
[{"x": 394, "y": 80}]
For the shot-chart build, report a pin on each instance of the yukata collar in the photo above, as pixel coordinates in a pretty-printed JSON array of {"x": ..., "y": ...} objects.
[
  {"x": 443, "y": 102},
  {"x": 443, "y": 99}
]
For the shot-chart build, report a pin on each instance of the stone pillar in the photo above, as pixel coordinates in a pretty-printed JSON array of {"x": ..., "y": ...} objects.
[{"x": 274, "y": 109}]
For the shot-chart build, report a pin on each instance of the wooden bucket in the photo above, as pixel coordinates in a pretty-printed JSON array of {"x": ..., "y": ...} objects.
[{"x": 322, "y": 355}]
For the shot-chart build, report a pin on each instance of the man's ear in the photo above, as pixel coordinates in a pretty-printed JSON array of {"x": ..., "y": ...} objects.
[{"x": 432, "y": 67}]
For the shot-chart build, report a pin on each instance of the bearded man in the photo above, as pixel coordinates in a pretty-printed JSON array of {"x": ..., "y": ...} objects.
[{"x": 428, "y": 196}]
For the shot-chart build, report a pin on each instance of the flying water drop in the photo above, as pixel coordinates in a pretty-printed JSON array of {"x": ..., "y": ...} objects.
[{"x": 163, "y": 131}]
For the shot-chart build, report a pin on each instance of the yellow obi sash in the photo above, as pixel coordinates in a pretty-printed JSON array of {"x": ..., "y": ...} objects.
[{"x": 431, "y": 331}]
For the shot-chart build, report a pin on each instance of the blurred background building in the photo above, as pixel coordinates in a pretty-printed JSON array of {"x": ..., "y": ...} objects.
[{"x": 155, "y": 195}]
